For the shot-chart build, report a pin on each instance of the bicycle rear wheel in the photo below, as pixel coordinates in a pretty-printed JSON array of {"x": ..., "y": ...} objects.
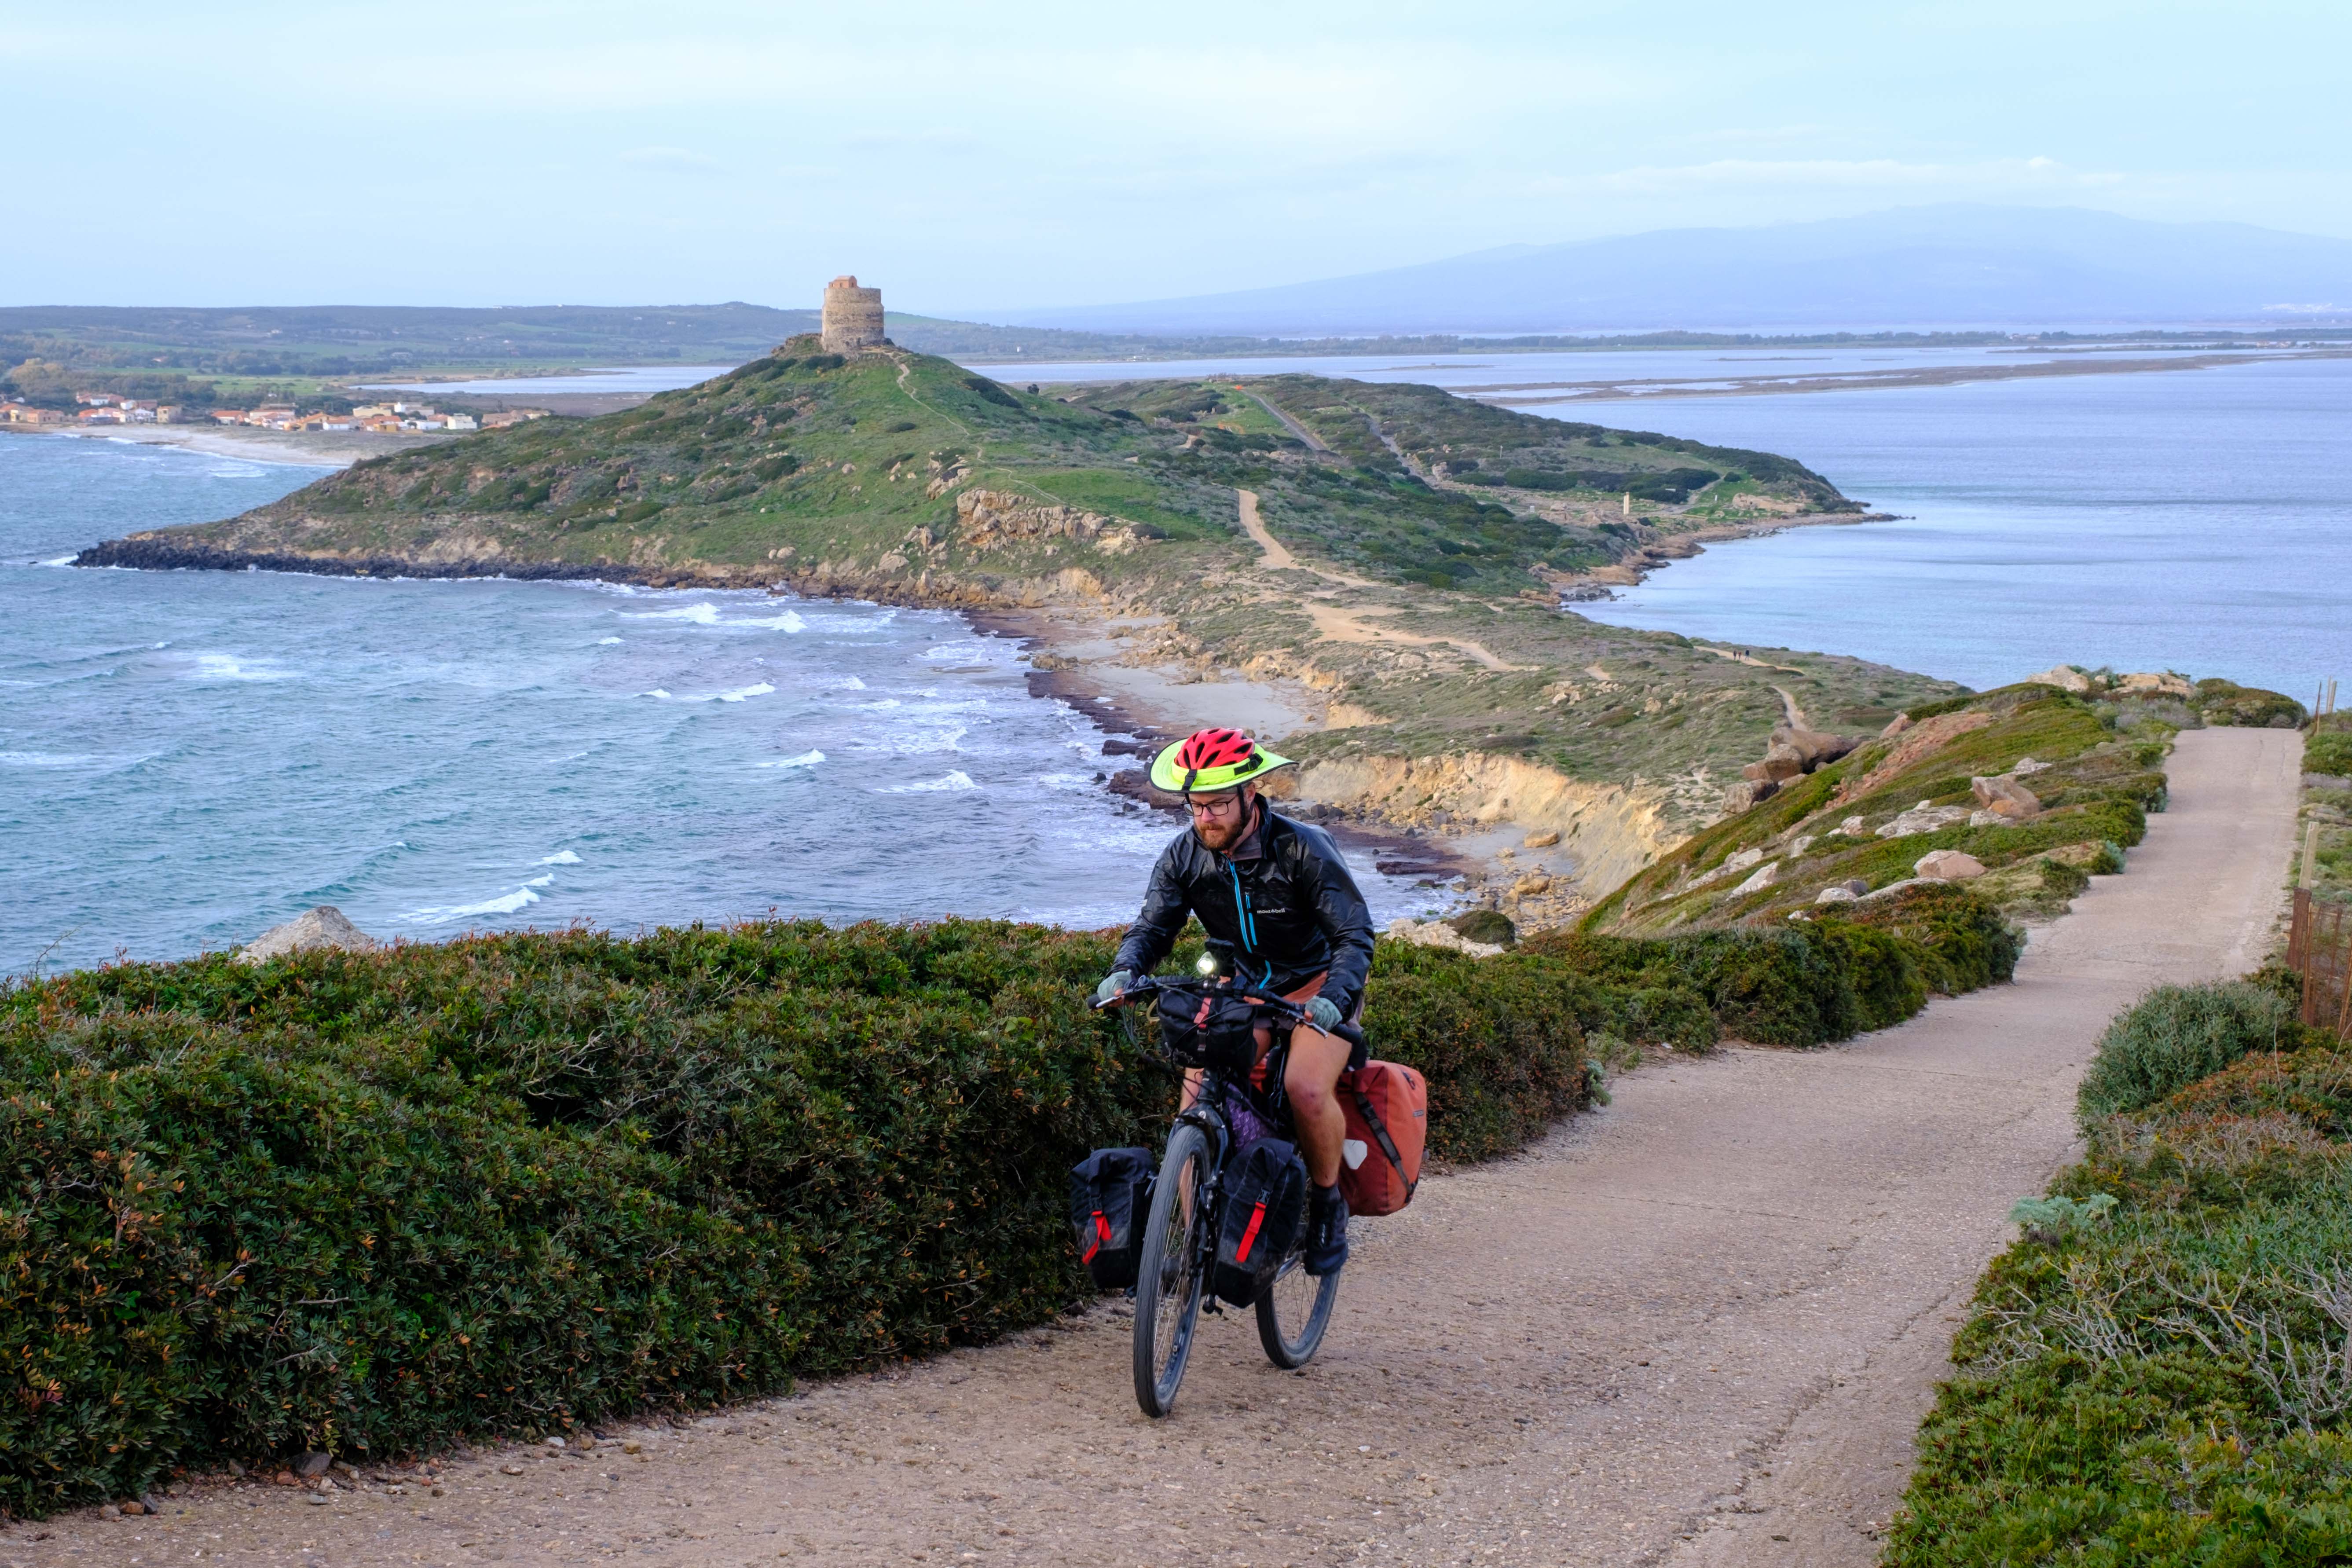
[
  {"x": 1294, "y": 1311},
  {"x": 1170, "y": 1274}
]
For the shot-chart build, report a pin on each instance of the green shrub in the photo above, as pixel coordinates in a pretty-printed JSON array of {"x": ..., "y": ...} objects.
[
  {"x": 2156, "y": 1374},
  {"x": 509, "y": 1183},
  {"x": 2329, "y": 752},
  {"x": 1810, "y": 982},
  {"x": 1492, "y": 927},
  {"x": 2175, "y": 1035},
  {"x": 375, "y": 1203},
  {"x": 2225, "y": 703}
]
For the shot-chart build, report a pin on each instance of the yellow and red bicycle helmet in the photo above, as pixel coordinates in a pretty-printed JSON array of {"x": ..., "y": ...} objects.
[{"x": 1210, "y": 760}]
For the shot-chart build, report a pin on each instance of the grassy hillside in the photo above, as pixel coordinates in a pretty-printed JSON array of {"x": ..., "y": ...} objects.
[
  {"x": 1427, "y": 603},
  {"x": 2093, "y": 768}
]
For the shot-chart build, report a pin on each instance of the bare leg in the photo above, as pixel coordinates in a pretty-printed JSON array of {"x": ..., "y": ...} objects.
[{"x": 1312, "y": 1080}]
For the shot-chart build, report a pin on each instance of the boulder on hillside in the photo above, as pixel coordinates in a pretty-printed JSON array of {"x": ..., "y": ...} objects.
[
  {"x": 323, "y": 927},
  {"x": 2154, "y": 683},
  {"x": 2004, "y": 796},
  {"x": 1923, "y": 818},
  {"x": 1813, "y": 748},
  {"x": 2064, "y": 677},
  {"x": 1781, "y": 762},
  {"x": 1437, "y": 933},
  {"x": 1948, "y": 866}
]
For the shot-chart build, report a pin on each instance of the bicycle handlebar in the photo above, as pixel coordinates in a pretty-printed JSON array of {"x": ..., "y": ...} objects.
[
  {"x": 1288, "y": 1012},
  {"x": 1152, "y": 984}
]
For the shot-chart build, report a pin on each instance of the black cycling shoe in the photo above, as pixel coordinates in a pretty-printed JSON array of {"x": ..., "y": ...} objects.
[{"x": 1327, "y": 1232}]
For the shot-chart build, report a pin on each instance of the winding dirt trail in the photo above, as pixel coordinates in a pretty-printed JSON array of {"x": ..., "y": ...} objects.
[
  {"x": 1697, "y": 1329},
  {"x": 1336, "y": 624}
]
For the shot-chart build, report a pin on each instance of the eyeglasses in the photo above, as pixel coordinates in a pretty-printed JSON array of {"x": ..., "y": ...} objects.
[{"x": 1216, "y": 805}]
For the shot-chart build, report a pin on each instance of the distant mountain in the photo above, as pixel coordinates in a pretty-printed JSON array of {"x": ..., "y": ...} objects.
[{"x": 1952, "y": 264}]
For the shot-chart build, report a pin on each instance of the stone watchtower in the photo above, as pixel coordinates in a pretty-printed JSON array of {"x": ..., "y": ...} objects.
[{"x": 853, "y": 317}]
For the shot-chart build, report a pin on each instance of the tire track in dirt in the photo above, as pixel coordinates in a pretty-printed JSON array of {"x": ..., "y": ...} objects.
[{"x": 1699, "y": 1328}]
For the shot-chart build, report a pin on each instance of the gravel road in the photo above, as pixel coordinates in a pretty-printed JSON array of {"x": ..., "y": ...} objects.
[{"x": 1697, "y": 1328}]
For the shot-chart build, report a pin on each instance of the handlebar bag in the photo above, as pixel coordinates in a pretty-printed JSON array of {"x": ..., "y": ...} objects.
[
  {"x": 1386, "y": 1111},
  {"x": 1265, "y": 1199},
  {"x": 1209, "y": 1029},
  {"x": 1111, "y": 1199}
]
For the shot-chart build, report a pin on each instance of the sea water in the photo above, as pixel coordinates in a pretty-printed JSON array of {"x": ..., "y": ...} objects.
[{"x": 188, "y": 757}]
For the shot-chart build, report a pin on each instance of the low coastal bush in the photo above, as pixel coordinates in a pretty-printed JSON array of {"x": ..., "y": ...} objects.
[
  {"x": 2177, "y": 1035},
  {"x": 1810, "y": 982},
  {"x": 375, "y": 1203},
  {"x": 2225, "y": 703},
  {"x": 2156, "y": 1374}
]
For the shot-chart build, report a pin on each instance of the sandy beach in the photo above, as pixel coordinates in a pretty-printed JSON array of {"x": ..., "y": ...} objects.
[{"x": 336, "y": 450}]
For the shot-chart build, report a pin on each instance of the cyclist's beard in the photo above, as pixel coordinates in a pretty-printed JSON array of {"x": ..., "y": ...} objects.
[{"x": 1223, "y": 833}]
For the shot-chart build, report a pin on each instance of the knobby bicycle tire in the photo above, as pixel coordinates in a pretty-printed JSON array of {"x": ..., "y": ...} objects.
[
  {"x": 1292, "y": 1311},
  {"x": 1171, "y": 1274}
]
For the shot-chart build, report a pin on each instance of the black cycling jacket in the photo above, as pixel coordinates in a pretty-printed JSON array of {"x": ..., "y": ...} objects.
[{"x": 1290, "y": 914}]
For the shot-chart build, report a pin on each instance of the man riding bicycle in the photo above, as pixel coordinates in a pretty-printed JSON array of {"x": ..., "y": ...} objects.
[{"x": 1278, "y": 896}]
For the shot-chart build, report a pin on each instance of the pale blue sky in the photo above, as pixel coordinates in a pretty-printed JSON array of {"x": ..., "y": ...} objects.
[{"x": 968, "y": 157}]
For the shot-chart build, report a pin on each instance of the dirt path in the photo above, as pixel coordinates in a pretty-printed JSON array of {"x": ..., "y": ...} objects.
[
  {"x": 1334, "y": 622},
  {"x": 1695, "y": 1328}
]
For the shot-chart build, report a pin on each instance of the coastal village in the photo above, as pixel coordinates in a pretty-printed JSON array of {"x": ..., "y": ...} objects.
[{"x": 102, "y": 409}]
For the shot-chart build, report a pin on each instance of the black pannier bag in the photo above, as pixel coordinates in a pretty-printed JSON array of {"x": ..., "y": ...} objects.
[
  {"x": 1266, "y": 1202},
  {"x": 1111, "y": 1200},
  {"x": 1209, "y": 1029}
]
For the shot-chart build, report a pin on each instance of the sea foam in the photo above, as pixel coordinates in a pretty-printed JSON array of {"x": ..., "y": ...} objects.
[
  {"x": 705, "y": 614},
  {"x": 758, "y": 689},
  {"x": 228, "y": 666},
  {"x": 806, "y": 760},
  {"x": 954, "y": 781},
  {"x": 786, "y": 622}
]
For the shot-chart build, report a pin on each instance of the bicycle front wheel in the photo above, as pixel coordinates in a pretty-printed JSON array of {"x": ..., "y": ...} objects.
[
  {"x": 1170, "y": 1274},
  {"x": 1294, "y": 1311}
]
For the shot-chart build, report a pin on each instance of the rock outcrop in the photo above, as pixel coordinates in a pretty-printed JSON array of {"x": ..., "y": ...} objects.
[
  {"x": 1610, "y": 831},
  {"x": 1948, "y": 866},
  {"x": 1923, "y": 818},
  {"x": 2005, "y": 797},
  {"x": 989, "y": 519},
  {"x": 2064, "y": 677},
  {"x": 1792, "y": 753},
  {"x": 323, "y": 927},
  {"x": 1437, "y": 933}
]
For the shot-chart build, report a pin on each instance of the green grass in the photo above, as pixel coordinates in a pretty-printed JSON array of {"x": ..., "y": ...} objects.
[{"x": 2165, "y": 1385}]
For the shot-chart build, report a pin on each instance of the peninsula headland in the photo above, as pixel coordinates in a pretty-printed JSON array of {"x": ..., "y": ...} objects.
[{"x": 1375, "y": 572}]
